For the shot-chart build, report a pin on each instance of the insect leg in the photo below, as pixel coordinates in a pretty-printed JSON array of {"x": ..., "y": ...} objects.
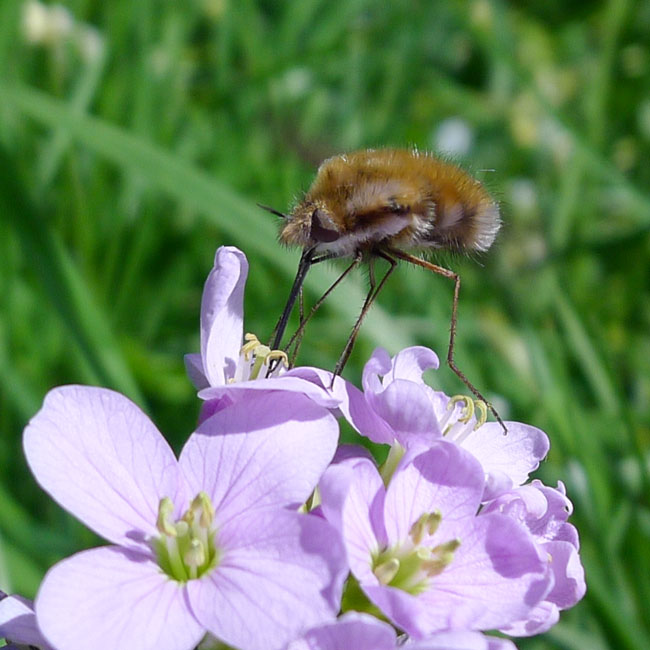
[
  {"x": 307, "y": 260},
  {"x": 303, "y": 267},
  {"x": 370, "y": 298},
  {"x": 412, "y": 259},
  {"x": 297, "y": 336}
]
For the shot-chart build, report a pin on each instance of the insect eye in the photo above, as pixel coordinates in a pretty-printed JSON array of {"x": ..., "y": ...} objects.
[{"x": 322, "y": 229}]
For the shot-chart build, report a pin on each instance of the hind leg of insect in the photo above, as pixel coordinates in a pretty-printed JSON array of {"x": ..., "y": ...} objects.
[
  {"x": 434, "y": 268},
  {"x": 374, "y": 291},
  {"x": 297, "y": 335}
]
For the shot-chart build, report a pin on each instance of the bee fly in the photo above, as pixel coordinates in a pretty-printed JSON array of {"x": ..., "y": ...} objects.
[{"x": 380, "y": 204}]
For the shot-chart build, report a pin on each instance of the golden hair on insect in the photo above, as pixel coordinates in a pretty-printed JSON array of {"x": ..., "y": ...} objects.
[{"x": 384, "y": 203}]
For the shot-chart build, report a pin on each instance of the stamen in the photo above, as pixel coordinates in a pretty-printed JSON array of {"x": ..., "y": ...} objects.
[
  {"x": 262, "y": 355},
  {"x": 386, "y": 571},
  {"x": 250, "y": 346},
  {"x": 482, "y": 419},
  {"x": 468, "y": 409},
  {"x": 277, "y": 354},
  {"x": 164, "y": 522},
  {"x": 441, "y": 557},
  {"x": 186, "y": 548},
  {"x": 427, "y": 525}
]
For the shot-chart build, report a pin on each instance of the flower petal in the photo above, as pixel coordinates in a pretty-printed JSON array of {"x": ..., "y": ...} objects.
[
  {"x": 268, "y": 451},
  {"x": 460, "y": 640},
  {"x": 194, "y": 369},
  {"x": 515, "y": 454},
  {"x": 287, "y": 382},
  {"x": 394, "y": 390},
  {"x": 540, "y": 619},
  {"x": 352, "y": 630},
  {"x": 444, "y": 478},
  {"x": 18, "y": 622},
  {"x": 281, "y": 573},
  {"x": 351, "y": 403},
  {"x": 352, "y": 494},
  {"x": 101, "y": 458},
  {"x": 406, "y": 408},
  {"x": 497, "y": 576},
  {"x": 222, "y": 315},
  {"x": 411, "y": 362},
  {"x": 108, "y": 598}
]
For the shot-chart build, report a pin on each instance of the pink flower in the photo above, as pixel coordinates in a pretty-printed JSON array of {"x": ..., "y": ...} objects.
[
  {"x": 544, "y": 512},
  {"x": 421, "y": 552},
  {"x": 228, "y": 367},
  {"x": 211, "y": 542},
  {"x": 397, "y": 407}
]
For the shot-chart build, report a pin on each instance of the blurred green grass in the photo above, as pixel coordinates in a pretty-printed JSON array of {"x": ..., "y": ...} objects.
[{"x": 135, "y": 138}]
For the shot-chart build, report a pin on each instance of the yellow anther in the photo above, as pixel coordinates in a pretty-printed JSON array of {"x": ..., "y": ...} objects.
[
  {"x": 468, "y": 409},
  {"x": 441, "y": 557},
  {"x": 386, "y": 571},
  {"x": 202, "y": 505},
  {"x": 482, "y": 418},
  {"x": 417, "y": 529},
  {"x": 277, "y": 354},
  {"x": 251, "y": 346},
  {"x": 433, "y": 521},
  {"x": 262, "y": 353},
  {"x": 164, "y": 521},
  {"x": 426, "y": 525}
]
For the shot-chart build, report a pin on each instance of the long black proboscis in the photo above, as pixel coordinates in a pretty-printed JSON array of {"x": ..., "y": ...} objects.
[{"x": 303, "y": 267}]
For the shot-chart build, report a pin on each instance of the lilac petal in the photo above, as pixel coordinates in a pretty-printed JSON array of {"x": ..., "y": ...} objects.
[
  {"x": 542, "y": 509},
  {"x": 411, "y": 362},
  {"x": 277, "y": 446},
  {"x": 108, "y": 598},
  {"x": 444, "y": 479},
  {"x": 541, "y": 618},
  {"x": 515, "y": 454},
  {"x": 351, "y": 492},
  {"x": 569, "y": 585},
  {"x": 222, "y": 314},
  {"x": 281, "y": 573},
  {"x": 378, "y": 365},
  {"x": 497, "y": 576},
  {"x": 18, "y": 622},
  {"x": 101, "y": 458},
  {"x": 194, "y": 369},
  {"x": 352, "y": 404},
  {"x": 460, "y": 640},
  {"x": 406, "y": 408},
  {"x": 497, "y": 643},
  {"x": 403, "y": 609},
  {"x": 286, "y": 382},
  {"x": 351, "y": 452},
  {"x": 402, "y": 400},
  {"x": 352, "y": 630}
]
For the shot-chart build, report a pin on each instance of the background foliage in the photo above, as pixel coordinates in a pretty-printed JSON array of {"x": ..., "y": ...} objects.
[{"x": 136, "y": 137}]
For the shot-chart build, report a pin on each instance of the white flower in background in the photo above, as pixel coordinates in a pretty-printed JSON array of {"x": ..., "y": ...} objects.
[
  {"x": 54, "y": 25},
  {"x": 46, "y": 25},
  {"x": 453, "y": 136},
  {"x": 522, "y": 195}
]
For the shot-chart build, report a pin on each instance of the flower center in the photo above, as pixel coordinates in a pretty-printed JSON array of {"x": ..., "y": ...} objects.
[
  {"x": 256, "y": 357},
  {"x": 456, "y": 425},
  {"x": 186, "y": 548},
  {"x": 410, "y": 566}
]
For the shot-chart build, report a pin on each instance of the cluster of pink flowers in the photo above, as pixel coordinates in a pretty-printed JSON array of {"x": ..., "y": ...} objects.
[{"x": 265, "y": 534}]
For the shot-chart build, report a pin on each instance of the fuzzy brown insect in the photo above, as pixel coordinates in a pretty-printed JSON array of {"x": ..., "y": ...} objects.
[{"x": 384, "y": 203}]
